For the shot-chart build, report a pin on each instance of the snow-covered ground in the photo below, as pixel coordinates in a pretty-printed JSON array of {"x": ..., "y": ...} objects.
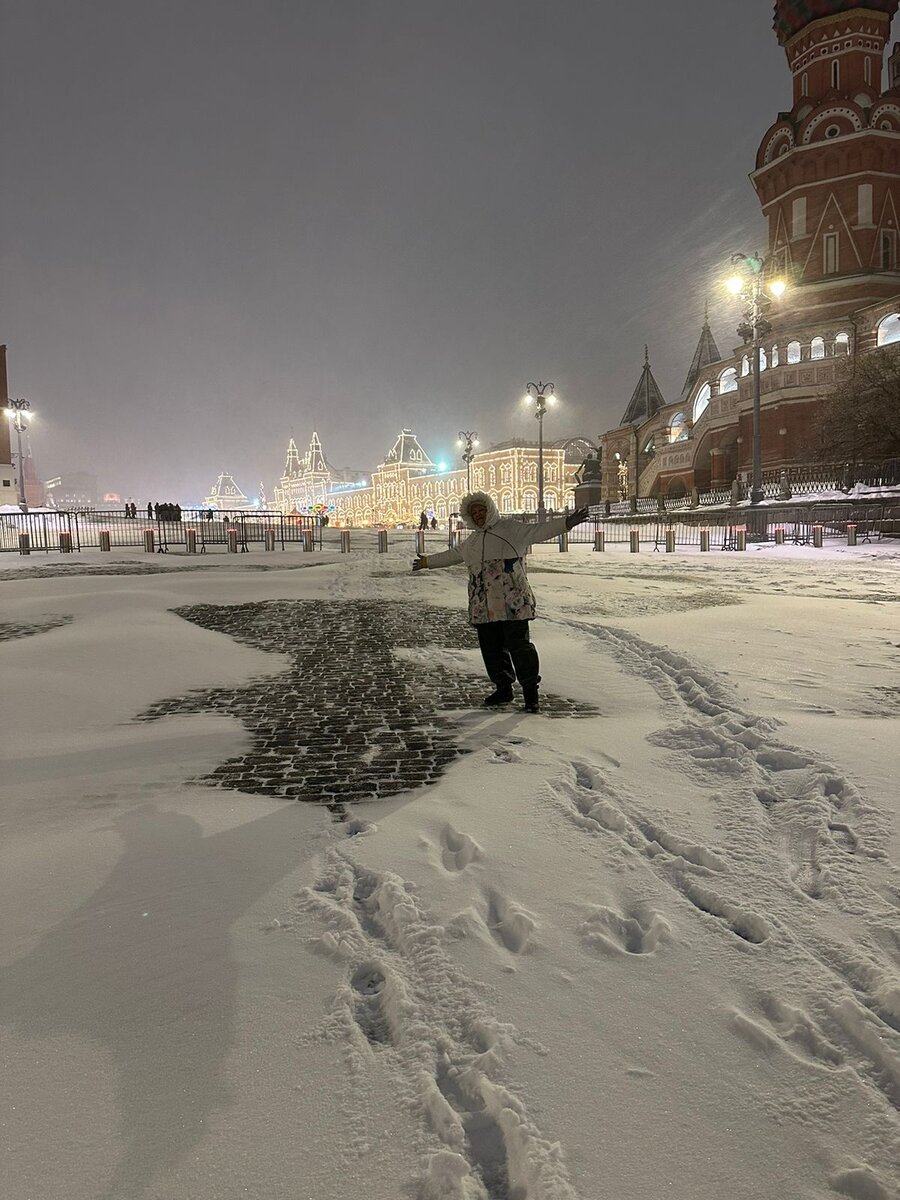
[{"x": 649, "y": 949}]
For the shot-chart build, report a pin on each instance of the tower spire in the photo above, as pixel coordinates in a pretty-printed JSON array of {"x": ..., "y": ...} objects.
[{"x": 646, "y": 400}]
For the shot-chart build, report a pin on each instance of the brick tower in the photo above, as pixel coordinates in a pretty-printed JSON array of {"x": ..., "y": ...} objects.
[{"x": 828, "y": 172}]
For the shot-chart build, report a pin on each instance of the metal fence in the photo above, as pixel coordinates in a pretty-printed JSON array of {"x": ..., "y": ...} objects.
[
  {"x": 873, "y": 522},
  {"x": 61, "y": 531}
]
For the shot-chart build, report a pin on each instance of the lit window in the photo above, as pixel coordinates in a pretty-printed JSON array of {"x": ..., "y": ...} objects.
[
  {"x": 835, "y": 74},
  {"x": 763, "y": 359},
  {"x": 678, "y": 429},
  {"x": 793, "y": 352},
  {"x": 817, "y": 348},
  {"x": 728, "y": 380},
  {"x": 702, "y": 401},
  {"x": 745, "y": 365},
  {"x": 773, "y": 357},
  {"x": 889, "y": 329},
  {"x": 804, "y": 84},
  {"x": 842, "y": 343}
]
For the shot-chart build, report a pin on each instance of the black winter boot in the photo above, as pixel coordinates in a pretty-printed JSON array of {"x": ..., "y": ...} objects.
[
  {"x": 503, "y": 695},
  {"x": 532, "y": 697}
]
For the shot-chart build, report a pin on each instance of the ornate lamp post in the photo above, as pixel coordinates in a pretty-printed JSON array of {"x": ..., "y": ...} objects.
[
  {"x": 20, "y": 412},
  {"x": 541, "y": 395},
  {"x": 468, "y": 440},
  {"x": 749, "y": 282}
]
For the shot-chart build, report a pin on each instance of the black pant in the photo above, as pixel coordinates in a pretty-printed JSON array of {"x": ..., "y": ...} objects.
[{"x": 508, "y": 653}]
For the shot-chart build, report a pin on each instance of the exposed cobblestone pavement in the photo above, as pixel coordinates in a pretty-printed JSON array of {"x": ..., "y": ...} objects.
[
  {"x": 19, "y": 629},
  {"x": 349, "y": 720}
]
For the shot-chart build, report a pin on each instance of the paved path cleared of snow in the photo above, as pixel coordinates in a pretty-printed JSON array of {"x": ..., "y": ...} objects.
[{"x": 647, "y": 944}]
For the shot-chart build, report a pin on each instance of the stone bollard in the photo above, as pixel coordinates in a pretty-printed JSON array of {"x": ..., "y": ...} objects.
[
  {"x": 308, "y": 543},
  {"x": 564, "y": 542},
  {"x": 345, "y": 541},
  {"x": 600, "y": 540},
  {"x": 104, "y": 540},
  {"x": 65, "y": 543},
  {"x": 670, "y": 540},
  {"x": 818, "y": 534},
  {"x": 779, "y": 535},
  {"x": 634, "y": 541},
  {"x": 269, "y": 537},
  {"x": 24, "y": 543},
  {"x": 190, "y": 540},
  {"x": 232, "y": 541},
  {"x": 382, "y": 541},
  {"x": 740, "y": 537},
  {"x": 149, "y": 541},
  {"x": 420, "y": 543},
  {"x": 851, "y": 533},
  {"x": 704, "y": 540}
]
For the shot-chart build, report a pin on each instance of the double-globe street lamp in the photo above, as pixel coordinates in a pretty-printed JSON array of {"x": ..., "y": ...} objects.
[
  {"x": 541, "y": 395},
  {"x": 20, "y": 413},
  {"x": 468, "y": 440},
  {"x": 751, "y": 280}
]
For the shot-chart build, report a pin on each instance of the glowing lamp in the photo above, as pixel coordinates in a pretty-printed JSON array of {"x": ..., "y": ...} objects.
[
  {"x": 735, "y": 285},
  {"x": 777, "y": 286},
  {"x": 527, "y": 400}
]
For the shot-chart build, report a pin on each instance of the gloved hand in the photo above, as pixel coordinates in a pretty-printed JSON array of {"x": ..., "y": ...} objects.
[
  {"x": 420, "y": 564},
  {"x": 576, "y": 518}
]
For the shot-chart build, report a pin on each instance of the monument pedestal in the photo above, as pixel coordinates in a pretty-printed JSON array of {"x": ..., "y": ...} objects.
[{"x": 588, "y": 494}]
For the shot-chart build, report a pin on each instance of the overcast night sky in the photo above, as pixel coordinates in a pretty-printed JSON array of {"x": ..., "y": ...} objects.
[{"x": 229, "y": 221}]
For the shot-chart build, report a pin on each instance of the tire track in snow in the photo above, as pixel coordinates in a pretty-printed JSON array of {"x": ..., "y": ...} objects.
[{"x": 403, "y": 999}]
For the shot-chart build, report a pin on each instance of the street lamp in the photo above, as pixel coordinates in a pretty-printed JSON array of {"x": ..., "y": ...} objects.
[
  {"x": 541, "y": 395},
  {"x": 21, "y": 414},
  {"x": 749, "y": 282},
  {"x": 468, "y": 440}
]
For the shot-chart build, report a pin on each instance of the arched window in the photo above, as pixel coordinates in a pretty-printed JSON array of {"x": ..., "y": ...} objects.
[
  {"x": 817, "y": 348},
  {"x": 835, "y": 74},
  {"x": 793, "y": 355},
  {"x": 728, "y": 380},
  {"x": 678, "y": 429},
  {"x": 529, "y": 472},
  {"x": 889, "y": 329},
  {"x": 868, "y": 69},
  {"x": 506, "y": 473},
  {"x": 550, "y": 500},
  {"x": 745, "y": 365},
  {"x": 701, "y": 403},
  {"x": 804, "y": 84},
  {"x": 506, "y": 504},
  {"x": 773, "y": 357},
  {"x": 842, "y": 343},
  {"x": 529, "y": 501},
  {"x": 763, "y": 359}
]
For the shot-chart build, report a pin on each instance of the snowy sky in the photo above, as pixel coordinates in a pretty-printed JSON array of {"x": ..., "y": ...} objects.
[{"x": 228, "y": 222}]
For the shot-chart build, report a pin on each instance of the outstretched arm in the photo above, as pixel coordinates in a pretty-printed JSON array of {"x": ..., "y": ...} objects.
[
  {"x": 545, "y": 530},
  {"x": 446, "y": 558}
]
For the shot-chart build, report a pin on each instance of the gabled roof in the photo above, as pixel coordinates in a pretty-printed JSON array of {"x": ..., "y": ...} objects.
[
  {"x": 226, "y": 489},
  {"x": 406, "y": 451},
  {"x": 646, "y": 400},
  {"x": 705, "y": 355}
]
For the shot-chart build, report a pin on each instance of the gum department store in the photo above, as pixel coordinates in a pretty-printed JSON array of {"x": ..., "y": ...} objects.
[{"x": 826, "y": 176}]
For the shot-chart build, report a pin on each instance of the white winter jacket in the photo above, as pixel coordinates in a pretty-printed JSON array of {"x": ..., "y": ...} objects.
[{"x": 495, "y": 555}]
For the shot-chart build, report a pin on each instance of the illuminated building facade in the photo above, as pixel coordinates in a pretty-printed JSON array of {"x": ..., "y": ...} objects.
[
  {"x": 408, "y": 483},
  {"x": 827, "y": 176}
]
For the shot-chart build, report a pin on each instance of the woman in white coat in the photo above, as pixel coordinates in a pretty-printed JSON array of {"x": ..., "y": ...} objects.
[{"x": 501, "y": 602}]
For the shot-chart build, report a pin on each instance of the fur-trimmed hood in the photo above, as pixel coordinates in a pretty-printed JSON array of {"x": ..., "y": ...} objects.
[{"x": 465, "y": 509}]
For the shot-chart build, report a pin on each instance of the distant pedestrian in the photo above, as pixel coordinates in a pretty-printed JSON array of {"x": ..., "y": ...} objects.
[
  {"x": 177, "y": 512},
  {"x": 133, "y": 511},
  {"x": 501, "y": 602},
  {"x": 209, "y": 514},
  {"x": 149, "y": 511},
  {"x": 423, "y": 520},
  {"x": 434, "y": 522}
]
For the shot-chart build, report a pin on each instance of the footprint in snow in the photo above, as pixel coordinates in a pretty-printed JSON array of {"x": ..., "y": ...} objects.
[
  {"x": 508, "y": 922},
  {"x": 610, "y": 932},
  {"x": 458, "y": 850}
]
